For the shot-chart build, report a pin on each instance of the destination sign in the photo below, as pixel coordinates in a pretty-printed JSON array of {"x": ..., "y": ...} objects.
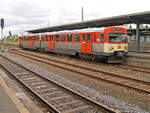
[{"x": 118, "y": 31}]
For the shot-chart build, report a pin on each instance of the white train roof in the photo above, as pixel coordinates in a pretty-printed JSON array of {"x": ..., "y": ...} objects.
[{"x": 70, "y": 31}]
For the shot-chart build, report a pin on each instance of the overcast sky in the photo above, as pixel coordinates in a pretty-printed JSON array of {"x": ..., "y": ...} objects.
[{"x": 23, "y": 15}]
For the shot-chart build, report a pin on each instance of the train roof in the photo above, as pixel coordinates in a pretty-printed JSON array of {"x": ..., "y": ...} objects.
[{"x": 71, "y": 31}]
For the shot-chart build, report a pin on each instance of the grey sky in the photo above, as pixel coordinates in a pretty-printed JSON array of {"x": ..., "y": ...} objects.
[{"x": 22, "y": 15}]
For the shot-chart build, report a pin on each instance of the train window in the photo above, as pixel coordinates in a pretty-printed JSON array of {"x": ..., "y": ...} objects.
[
  {"x": 88, "y": 37},
  {"x": 34, "y": 37},
  {"x": 119, "y": 37},
  {"x": 42, "y": 38},
  {"x": 102, "y": 37},
  {"x": 77, "y": 37},
  {"x": 52, "y": 38},
  {"x": 69, "y": 38},
  {"x": 57, "y": 37},
  {"x": 62, "y": 37},
  {"x": 37, "y": 37},
  {"x": 83, "y": 37},
  {"x": 46, "y": 38}
]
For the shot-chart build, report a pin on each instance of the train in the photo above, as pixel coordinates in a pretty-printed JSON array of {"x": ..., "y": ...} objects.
[{"x": 106, "y": 44}]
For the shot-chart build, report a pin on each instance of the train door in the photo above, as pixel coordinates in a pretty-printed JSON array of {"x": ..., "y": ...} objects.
[
  {"x": 31, "y": 41},
  {"x": 20, "y": 41},
  {"x": 86, "y": 43},
  {"x": 51, "y": 42}
]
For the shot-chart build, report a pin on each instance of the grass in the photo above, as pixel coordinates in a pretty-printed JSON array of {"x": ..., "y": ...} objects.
[{"x": 11, "y": 40}]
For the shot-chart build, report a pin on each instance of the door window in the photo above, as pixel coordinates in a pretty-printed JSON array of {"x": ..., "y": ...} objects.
[
  {"x": 88, "y": 37},
  {"x": 102, "y": 37},
  {"x": 83, "y": 37}
]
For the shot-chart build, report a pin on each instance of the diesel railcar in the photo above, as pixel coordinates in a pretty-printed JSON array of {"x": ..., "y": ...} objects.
[{"x": 109, "y": 44}]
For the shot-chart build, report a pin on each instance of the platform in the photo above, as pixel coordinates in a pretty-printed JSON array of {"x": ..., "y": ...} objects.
[
  {"x": 9, "y": 103},
  {"x": 6, "y": 104}
]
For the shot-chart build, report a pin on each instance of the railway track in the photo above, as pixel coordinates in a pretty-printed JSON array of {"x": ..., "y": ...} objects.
[
  {"x": 128, "y": 82},
  {"x": 56, "y": 97},
  {"x": 141, "y": 69},
  {"x": 135, "y": 68}
]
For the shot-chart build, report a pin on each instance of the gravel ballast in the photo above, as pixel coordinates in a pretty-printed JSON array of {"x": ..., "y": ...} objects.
[{"x": 123, "y": 106}]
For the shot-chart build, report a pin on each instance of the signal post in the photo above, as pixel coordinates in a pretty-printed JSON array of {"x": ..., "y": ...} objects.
[{"x": 2, "y": 27}]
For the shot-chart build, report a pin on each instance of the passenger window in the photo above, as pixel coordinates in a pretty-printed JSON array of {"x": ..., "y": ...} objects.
[
  {"x": 77, "y": 37},
  {"x": 37, "y": 37},
  {"x": 62, "y": 37},
  {"x": 34, "y": 37},
  {"x": 46, "y": 38},
  {"x": 102, "y": 37},
  {"x": 57, "y": 37},
  {"x": 42, "y": 38},
  {"x": 69, "y": 38},
  {"x": 52, "y": 38},
  {"x": 83, "y": 37},
  {"x": 88, "y": 37}
]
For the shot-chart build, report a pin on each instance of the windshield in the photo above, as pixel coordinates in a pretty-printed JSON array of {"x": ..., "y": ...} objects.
[{"x": 117, "y": 37}]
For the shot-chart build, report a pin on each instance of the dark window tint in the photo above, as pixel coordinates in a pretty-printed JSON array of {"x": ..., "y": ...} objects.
[
  {"x": 69, "y": 38},
  {"x": 52, "y": 38},
  {"x": 83, "y": 37},
  {"x": 57, "y": 37},
  {"x": 77, "y": 37},
  {"x": 117, "y": 37},
  {"x": 88, "y": 37},
  {"x": 37, "y": 37},
  {"x": 46, "y": 38},
  {"x": 42, "y": 38},
  {"x": 102, "y": 37},
  {"x": 34, "y": 37},
  {"x": 62, "y": 37}
]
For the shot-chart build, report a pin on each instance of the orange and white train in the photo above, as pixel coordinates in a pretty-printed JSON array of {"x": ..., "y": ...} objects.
[{"x": 105, "y": 43}]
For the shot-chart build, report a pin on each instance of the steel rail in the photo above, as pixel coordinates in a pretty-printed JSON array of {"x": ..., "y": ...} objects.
[
  {"x": 122, "y": 67},
  {"x": 82, "y": 67},
  {"x": 91, "y": 76},
  {"x": 88, "y": 100}
]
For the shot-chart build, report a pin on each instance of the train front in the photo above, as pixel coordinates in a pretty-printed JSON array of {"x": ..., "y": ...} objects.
[{"x": 116, "y": 44}]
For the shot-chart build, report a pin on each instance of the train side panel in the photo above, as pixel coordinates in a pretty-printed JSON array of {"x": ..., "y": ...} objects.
[
  {"x": 62, "y": 47},
  {"x": 98, "y": 48}
]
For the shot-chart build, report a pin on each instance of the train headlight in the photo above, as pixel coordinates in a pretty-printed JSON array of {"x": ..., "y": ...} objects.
[{"x": 111, "y": 48}]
